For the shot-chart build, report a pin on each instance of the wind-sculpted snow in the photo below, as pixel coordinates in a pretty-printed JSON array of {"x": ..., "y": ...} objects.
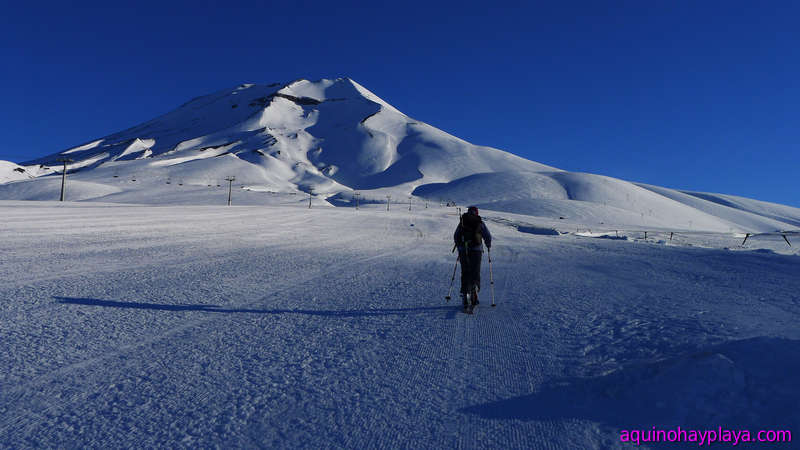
[
  {"x": 334, "y": 129},
  {"x": 289, "y": 327},
  {"x": 332, "y": 137}
]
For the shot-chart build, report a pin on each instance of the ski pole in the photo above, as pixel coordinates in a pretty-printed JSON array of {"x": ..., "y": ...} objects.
[
  {"x": 464, "y": 264},
  {"x": 491, "y": 277},
  {"x": 452, "y": 279}
]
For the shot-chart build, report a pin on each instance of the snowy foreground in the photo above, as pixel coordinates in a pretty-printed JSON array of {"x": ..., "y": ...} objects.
[{"x": 283, "y": 326}]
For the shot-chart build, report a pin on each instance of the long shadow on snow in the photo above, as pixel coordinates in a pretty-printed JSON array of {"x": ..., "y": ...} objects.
[
  {"x": 218, "y": 309},
  {"x": 747, "y": 384}
]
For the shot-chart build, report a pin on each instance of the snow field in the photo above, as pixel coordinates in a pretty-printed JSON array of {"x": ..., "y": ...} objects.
[
  {"x": 282, "y": 326},
  {"x": 10, "y": 171}
]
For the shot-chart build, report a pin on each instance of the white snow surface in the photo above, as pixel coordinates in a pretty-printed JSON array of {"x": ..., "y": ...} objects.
[
  {"x": 10, "y": 171},
  {"x": 332, "y": 137},
  {"x": 280, "y": 326}
]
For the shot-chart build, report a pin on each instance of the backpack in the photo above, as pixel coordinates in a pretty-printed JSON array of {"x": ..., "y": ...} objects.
[{"x": 471, "y": 230}]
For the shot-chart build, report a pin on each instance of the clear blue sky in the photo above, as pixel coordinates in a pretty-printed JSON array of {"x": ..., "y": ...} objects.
[{"x": 690, "y": 95}]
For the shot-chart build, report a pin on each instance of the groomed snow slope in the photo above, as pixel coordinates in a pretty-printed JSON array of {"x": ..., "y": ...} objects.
[{"x": 199, "y": 326}]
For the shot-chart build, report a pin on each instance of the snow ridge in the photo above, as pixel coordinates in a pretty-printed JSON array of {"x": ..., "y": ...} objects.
[{"x": 331, "y": 137}]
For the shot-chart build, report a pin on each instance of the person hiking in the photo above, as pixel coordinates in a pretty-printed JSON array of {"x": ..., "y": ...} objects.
[{"x": 470, "y": 235}]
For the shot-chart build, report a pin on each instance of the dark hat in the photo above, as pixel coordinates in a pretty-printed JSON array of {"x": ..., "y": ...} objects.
[{"x": 473, "y": 209}]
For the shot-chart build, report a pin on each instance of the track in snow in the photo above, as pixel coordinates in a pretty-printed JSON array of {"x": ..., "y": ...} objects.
[{"x": 327, "y": 329}]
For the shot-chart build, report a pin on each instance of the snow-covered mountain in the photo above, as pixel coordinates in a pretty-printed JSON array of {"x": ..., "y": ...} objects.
[
  {"x": 13, "y": 172},
  {"x": 333, "y": 137}
]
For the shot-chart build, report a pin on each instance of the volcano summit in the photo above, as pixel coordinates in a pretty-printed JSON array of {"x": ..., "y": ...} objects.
[{"x": 332, "y": 137}]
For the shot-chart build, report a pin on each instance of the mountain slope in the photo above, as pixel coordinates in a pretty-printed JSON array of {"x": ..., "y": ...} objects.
[
  {"x": 13, "y": 172},
  {"x": 329, "y": 135},
  {"x": 333, "y": 137}
]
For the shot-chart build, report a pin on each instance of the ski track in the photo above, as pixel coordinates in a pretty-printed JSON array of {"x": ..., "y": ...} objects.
[
  {"x": 49, "y": 378},
  {"x": 177, "y": 345}
]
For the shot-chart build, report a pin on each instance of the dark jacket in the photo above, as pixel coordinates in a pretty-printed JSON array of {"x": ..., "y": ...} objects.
[{"x": 460, "y": 235}]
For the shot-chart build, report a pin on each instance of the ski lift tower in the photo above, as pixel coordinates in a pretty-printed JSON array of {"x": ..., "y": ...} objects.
[
  {"x": 230, "y": 187},
  {"x": 63, "y": 175}
]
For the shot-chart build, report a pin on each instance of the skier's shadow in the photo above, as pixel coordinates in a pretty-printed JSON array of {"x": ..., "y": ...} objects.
[{"x": 219, "y": 309}]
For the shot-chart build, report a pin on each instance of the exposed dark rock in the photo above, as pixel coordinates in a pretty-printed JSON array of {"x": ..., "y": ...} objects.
[
  {"x": 304, "y": 101},
  {"x": 365, "y": 118},
  {"x": 269, "y": 140},
  {"x": 213, "y": 147},
  {"x": 298, "y": 100},
  {"x": 261, "y": 101}
]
